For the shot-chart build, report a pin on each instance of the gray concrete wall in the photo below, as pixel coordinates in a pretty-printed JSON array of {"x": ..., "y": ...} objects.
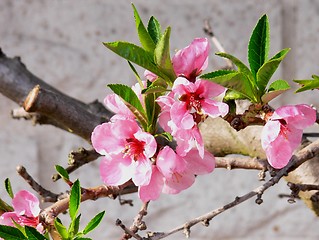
[{"x": 60, "y": 41}]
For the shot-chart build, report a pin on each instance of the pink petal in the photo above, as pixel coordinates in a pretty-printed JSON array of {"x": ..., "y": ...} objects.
[
  {"x": 181, "y": 116},
  {"x": 104, "y": 142},
  {"x": 6, "y": 218},
  {"x": 193, "y": 58},
  {"x": 116, "y": 170},
  {"x": 150, "y": 76},
  {"x": 183, "y": 86},
  {"x": 188, "y": 139},
  {"x": 142, "y": 172},
  {"x": 25, "y": 203},
  {"x": 116, "y": 105},
  {"x": 214, "y": 108},
  {"x": 153, "y": 190},
  {"x": 198, "y": 165},
  {"x": 300, "y": 116},
  {"x": 207, "y": 89},
  {"x": 279, "y": 152},
  {"x": 178, "y": 182},
  {"x": 269, "y": 133},
  {"x": 168, "y": 162}
]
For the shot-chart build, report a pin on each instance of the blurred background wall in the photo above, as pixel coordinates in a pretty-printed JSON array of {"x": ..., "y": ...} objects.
[{"x": 61, "y": 42}]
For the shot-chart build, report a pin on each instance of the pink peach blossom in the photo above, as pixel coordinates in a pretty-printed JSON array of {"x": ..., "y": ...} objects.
[
  {"x": 282, "y": 133},
  {"x": 127, "y": 151},
  {"x": 191, "y": 60},
  {"x": 26, "y": 211},
  {"x": 172, "y": 173}
]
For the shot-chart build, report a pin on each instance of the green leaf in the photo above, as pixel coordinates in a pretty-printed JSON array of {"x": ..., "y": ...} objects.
[
  {"x": 240, "y": 65},
  {"x": 233, "y": 95},
  {"x": 62, "y": 172},
  {"x": 33, "y": 234},
  {"x": 232, "y": 80},
  {"x": 8, "y": 187},
  {"x": 61, "y": 229},
  {"x": 274, "y": 90},
  {"x": 258, "y": 46},
  {"x": 154, "y": 29},
  {"x": 167, "y": 136},
  {"x": 162, "y": 56},
  {"x": 308, "y": 84},
  {"x": 266, "y": 71},
  {"x": 75, "y": 199},
  {"x": 158, "y": 86},
  {"x": 145, "y": 38},
  {"x": 11, "y": 233},
  {"x": 137, "y": 76},
  {"x": 94, "y": 222},
  {"x": 5, "y": 207},
  {"x": 136, "y": 55},
  {"x": 74, "y": 226},
  {"x": 131, "y": 101}
]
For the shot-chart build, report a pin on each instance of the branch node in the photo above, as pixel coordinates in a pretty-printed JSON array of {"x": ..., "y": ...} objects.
[
  {"x": 259, "y": 199},
  {"x": 205, "y": 222}
]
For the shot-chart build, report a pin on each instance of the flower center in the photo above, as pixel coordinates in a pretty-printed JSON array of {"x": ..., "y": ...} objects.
[
  {"x": 133, "y": 148},
  {"x": 193, "y": 102},
  {"x": 283, "y": 128},
  {"x": 29, "y": 221}
]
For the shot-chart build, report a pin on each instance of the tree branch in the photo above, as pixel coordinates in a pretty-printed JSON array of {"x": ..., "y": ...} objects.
[{"x": 21, "y": 86}]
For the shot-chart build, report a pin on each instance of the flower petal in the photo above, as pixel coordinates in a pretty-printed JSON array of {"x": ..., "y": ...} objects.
[
  {"x": 153, "y": 190},
  {"x": 25, "y": 203},
  {"x": 168, "y": 162},
  {"x": 116, "y": 170},
  {"x": 198, "y": 165},
  {"x": 142, "y": 172}
]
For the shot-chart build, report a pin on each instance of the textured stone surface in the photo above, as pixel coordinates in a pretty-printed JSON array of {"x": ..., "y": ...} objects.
[{"x": 61, "y": 42}]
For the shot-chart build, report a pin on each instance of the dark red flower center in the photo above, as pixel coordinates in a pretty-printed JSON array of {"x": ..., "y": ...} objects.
[{"x": 134, "y": 148}]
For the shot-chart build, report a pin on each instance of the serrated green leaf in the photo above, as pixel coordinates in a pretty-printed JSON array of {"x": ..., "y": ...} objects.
[
  {"x": 62, "y": 172},
  {"x": 274, "y": 90},
  {"x": 266, "y": 71},
  {"x": 75, "y": 199},
  {"x": 232, "y": 80},
  {"x": 241, "y": 67},
  {"x": 258, "y": 46},
  {"x": 8, "y": 187},
  {"x": 145, "y": 38},
  {"x": 162, "y": 56},
  {"x": 136, "y": 55},
  {"x": 94, "y": 223},
  {"x": 11, "y": 233},
  {"x": 74, "y": 226},
  {"x": 167, "y": 136},
  {"x": 33, "y": 234},
  {"x": 61, "y": 229},
  {"x": 309, "y": 84},
  {"x": 154, "y": 29},
  {"x": 131, "y": 101}
]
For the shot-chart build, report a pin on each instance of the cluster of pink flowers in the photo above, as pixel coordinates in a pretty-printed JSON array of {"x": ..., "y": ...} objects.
[
  {"x": 26, "y": 211},
  {"x": 131, "y": 153}
]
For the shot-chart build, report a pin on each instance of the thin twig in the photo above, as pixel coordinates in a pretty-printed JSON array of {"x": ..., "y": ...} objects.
[
  {"x": 127, "y": 230},
  {"x": 208, "y": 30},
  {"x": 77, "y": 159},
  {"x": 47, "y": 195}
]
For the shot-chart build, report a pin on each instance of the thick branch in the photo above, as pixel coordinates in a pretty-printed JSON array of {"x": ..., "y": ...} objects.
[{"x": 17, "y": 83}]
